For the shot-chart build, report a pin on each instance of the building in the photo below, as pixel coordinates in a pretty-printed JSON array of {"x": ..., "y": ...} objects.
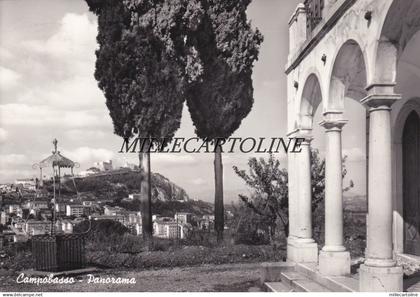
[
  {"x": 64, "y": 226},
  {"x": 116, "y": 218},
  {"x": 26, "y": 183},
  {"x": 134, "y": 217},
  {"x": 104, "y": 166},
  {"x": 209, "y": 217},
  {"x": 114, "y": 211},
  {"x": 14, "y": 208},
  {"x": 130, "y": 166},
  {"x": 6, "y": 188},
  {"x": 183, "y": 217},
  {"x": 35, "y": 227},
  {"x": 75, "y": 210},
  {"x": 18, "y": 223},
  {"x": 60, "y": 207},
  {"x": 4, "y": 217},
  {"x": 365, "y": 51},
  {"x": 88, "y": 172},
  {"x": 89, "y": 203},
  {"x": 135, "y": 229},
  {"x": 9, "y": 237},
  {"x": 37, "y": 204},
  {"x": 168, "y": 228},
  {"x": 134, "y": 196}
]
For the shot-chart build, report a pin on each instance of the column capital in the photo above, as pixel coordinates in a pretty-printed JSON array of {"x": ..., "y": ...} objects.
[
  {"x": 380, "y": 95},
  {"x": 378, "y": 100},
  {"x": 305, "y": 134},
  {"x": 333, "y": 120},
  {"x": 333, "y": 124}
]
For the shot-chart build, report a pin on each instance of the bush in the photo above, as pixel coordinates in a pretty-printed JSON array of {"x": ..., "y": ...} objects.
[{"x": 187, "y": 256}]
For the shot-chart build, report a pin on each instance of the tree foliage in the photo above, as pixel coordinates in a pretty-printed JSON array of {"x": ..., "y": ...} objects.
[
  {"x": 154, "y": 54},
  {"x": 141, "y": 62},
  {"x": 226, "y": 48},
  {"x": 269, "y": 185},
  {"x": 220, "y": 94}
]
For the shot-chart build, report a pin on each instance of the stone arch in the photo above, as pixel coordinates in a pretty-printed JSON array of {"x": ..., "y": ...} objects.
[
  {"x": 348, "y": 76},
  {"x": 412, "y": 105},
  {"x": 311, "y": 98},
  {"x": 399, "y": 25}
]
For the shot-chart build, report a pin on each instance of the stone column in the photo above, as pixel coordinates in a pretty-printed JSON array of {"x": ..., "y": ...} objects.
[
  {"x": 334, "y": 260},
  {"x": 379, "y": 272},
  {"x": 293, "y": 186},
  {"x": 304, "y": 248}
]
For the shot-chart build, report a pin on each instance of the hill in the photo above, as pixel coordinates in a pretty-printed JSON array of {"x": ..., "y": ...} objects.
[{"x": 118, "y": 184}]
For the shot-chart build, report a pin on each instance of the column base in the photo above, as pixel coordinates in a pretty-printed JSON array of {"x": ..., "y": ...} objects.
[
  {"x": 290, "y": 250},
  {"x": 380, "y": 279},
  {"x": 334, "y": 263},
  {"x": 302, "y": 252}
]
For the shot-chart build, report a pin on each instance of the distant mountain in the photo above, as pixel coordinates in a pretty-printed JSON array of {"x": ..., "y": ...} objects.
[{"x": 120, "y": 183}]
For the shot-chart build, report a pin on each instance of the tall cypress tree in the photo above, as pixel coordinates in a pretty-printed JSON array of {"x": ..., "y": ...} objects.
[
  {"x": 141, "y": 68},
  {"x": 222, "y": 95}
]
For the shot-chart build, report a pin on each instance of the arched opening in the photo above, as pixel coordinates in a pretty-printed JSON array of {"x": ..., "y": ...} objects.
[
  {"x": 347, "y": 89},
  {"x": 348, "y": 77},
  {"x": 401, "y": 23},
  {"x": 398, "y": 62},
  {"x": 311, "y": 99},
  {"x": 411, "y": 183}
]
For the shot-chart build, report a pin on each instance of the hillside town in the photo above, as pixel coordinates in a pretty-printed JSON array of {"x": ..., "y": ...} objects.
[{"x": 27, "y": 211}]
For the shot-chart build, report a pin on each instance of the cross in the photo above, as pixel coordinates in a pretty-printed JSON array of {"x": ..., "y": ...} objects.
[{"x": 55, "y": 145}]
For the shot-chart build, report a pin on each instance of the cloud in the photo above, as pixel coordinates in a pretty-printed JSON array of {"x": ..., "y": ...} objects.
[
  {"x": 8, "y": 78},
  {"x": 199, "y": 181},
  {"x": 13, "y": 160},
  {"x": 3, "y": 135},
  {"x": 77, "y": 92},
  {"x": 172, "y": 159},
  {"x": 73, "y": 41},
  {"x": 7, "y": 175},
  {"x": 354, "y": 154},
  {"x": 46, "y": 116},
  {"x": 89, "y": 155},
  {"x": 5, "y": 54},
  {"x": 78, "y": 134}
]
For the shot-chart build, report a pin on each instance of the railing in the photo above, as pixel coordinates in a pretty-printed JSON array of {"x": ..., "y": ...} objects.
[{"x": 314, "y": 13}]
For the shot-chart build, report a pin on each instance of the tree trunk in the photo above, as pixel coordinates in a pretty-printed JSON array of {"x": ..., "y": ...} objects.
[
  {"x": 146, "y": 197},
  {"x": 286, "y": 229},
  {"x": 218, "y": 197}
]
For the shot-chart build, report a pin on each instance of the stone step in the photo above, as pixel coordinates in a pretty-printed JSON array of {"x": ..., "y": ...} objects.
[
  {"x": 306, "y": 285},
  {"x": 288, "y": 277},
  {"x": 270, "y": 271},
  {"x": 296, "y": 281},
  {"x": 277, "y": 287},
  {"x": 335, "y": 284}
]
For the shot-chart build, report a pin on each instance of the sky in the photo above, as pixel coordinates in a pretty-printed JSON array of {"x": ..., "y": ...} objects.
[{"x": 47, "y": 91}]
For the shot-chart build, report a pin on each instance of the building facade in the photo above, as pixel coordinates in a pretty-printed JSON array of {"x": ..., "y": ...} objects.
[
  {"x": 26, "y": 183},
  {"x": 366, "y": 51},
  {"x": 35, "y": 227},
  {"x": 103, "y": 165},
  {"x": 75, "y": 210},
  {"x": 183, "y": 217}
]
